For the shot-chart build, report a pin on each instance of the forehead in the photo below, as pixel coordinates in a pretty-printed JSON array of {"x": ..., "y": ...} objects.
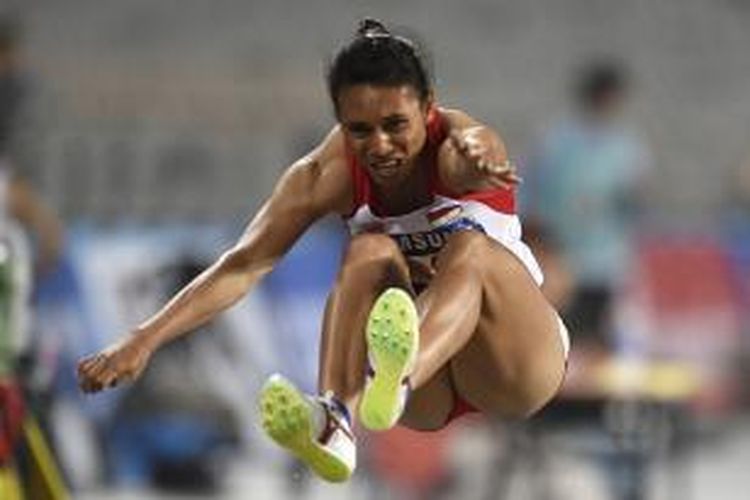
[{"x": 369, "y": 102}]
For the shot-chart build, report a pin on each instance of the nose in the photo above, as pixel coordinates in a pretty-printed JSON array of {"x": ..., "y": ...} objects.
[{"x": 380, "y": 144}]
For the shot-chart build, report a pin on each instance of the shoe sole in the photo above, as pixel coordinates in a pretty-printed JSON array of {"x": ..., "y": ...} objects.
[
  {"x": 287, "y": 418},
  {"x": 392, "y": 337}
]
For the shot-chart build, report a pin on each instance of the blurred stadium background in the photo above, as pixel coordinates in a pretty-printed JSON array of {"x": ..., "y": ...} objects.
[{"x": 155, "y": 128}]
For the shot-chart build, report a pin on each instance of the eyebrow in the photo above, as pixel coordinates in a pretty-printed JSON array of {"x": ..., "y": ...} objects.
[
  {"x": 390, "y": 118},
  {"x": 395, "y": 116},
  {"x": 357, "y": 125}
]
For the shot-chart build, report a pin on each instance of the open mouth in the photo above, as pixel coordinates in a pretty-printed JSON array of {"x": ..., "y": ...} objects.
[{"x": 387, "y": 168}]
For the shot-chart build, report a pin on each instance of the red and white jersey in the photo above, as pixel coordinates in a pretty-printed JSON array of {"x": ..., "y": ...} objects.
[{"x": 422, "y": 233}]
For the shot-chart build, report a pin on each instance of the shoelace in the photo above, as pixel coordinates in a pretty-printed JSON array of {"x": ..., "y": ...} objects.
[{"x": 337, "y": 417}]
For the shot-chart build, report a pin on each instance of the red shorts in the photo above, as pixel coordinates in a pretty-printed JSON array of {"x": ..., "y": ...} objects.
[{"x": 460, "y": 407}]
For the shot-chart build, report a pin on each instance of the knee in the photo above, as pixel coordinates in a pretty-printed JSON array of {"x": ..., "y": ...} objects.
[
  {"x": 466, "y": 243},
  {"x": 473, "y": 248},
  {"x": 534, "y": 401},
  {"x": 534, "y": 388},
  {"x": 465, "y": 248},
  {"x": 372, "y": 246},
  {"x": 367, "y": 250}
]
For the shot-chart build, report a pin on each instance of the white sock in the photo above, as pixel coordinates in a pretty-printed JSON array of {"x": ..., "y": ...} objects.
[
  {"x": 323, "y": 405},
  {"x": 404, "y": 393}
]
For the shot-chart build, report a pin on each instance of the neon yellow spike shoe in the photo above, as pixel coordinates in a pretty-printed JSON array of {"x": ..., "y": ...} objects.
[
  {"x": 315, "y": 430},
  {"x": 392, "y": 337}
]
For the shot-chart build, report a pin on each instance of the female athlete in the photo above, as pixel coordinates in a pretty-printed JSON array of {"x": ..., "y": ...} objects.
[{"x": 436, "y": 310}]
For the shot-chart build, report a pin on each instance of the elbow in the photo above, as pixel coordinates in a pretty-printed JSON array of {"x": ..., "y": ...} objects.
[
  {"x": 234, "y": 259},
  {"x": 234, "y": 262}
]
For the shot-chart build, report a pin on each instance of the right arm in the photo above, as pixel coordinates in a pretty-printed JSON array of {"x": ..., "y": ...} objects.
[{"x": 311, "y": 188}]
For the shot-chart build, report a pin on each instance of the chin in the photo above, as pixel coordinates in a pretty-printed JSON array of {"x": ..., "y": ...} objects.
[{"x": 387, "y": 180}]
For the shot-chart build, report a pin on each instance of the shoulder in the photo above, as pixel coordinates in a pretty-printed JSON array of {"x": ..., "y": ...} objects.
[{"x": 323, "y": 174}]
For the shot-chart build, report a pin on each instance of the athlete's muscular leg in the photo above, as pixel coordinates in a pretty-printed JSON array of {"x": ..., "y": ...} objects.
[
  {"x": 486, "y": 323},
  {"x": 372, "y": 263}
]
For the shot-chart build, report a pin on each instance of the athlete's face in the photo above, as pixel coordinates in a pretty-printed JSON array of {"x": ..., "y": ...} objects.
[{"x": 385, "y": 128}]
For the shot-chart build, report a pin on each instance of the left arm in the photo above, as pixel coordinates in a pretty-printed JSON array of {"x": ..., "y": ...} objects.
[{"x": 473, "y": 158}]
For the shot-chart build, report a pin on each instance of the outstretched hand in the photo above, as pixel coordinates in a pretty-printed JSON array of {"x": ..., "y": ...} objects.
[
  {"x": 123, "y": 361},
  {"x": 486, "y": 156}
]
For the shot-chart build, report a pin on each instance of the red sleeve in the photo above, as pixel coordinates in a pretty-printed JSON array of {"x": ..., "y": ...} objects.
[{"x": 502, "y": 200}]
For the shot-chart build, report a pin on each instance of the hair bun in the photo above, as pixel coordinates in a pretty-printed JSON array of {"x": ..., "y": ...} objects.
[{"x": 371, "y": 27}]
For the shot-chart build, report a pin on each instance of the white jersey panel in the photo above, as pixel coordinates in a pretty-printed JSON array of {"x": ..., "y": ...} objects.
[{"x": 422, "y": 233}]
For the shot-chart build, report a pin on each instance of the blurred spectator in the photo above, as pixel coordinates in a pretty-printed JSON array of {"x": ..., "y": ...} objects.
[
  {"x": 22, "y": 213},
  {"x": 737, "y": 238},
  {"x": 583, "y": 186},
  {"x": 17, "y": 199},
  {"x": 11, "y": 87}
]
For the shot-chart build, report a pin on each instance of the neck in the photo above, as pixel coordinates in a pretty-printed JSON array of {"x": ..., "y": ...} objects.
[{"x": 409, "y": 194}]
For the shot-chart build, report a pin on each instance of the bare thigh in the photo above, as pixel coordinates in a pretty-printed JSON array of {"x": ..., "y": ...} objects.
[
  {"x": 505, "y": 356},
  {"x": 515, "y": 361}
]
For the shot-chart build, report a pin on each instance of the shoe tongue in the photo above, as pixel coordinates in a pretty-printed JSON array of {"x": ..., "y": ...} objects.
[{"x": 335, "y": 420}]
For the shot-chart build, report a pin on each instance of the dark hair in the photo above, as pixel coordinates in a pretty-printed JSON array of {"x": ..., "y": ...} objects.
[
  {"x": 598, "y": 80},
  {"x": 378, "y": 57},
  {"x": 9, "y": 31}
]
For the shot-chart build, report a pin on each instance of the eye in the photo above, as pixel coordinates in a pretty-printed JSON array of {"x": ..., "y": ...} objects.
[
  {"x": 395, "y": 125},
  {"x": 358, "y": 130}
]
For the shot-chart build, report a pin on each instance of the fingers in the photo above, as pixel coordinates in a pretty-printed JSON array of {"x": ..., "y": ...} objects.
[
  {"x": 470, "y": 147},
  {"x": 88, "y": 370},
  {"x": 87, "y": 365},
  {"x": 98, "y": 372},
  {"x": 504, "y": 168},
  {"x": 89, "y": 373},
  {"x": 500, "y": 173}
]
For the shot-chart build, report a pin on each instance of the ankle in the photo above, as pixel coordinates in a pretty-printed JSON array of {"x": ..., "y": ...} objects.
[{"x": 333, "y": 404}]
